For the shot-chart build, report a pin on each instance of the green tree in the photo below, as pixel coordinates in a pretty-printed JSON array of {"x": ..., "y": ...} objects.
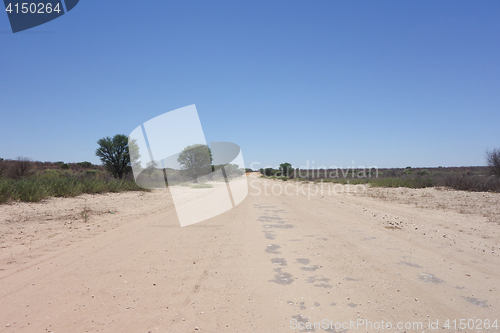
[
  {"x": 424, "y": 172},
  {"x": 135, "y": 156},
  {"x": 196, "y": 160},
  {"x": 233, "y": 170},
  {"x": 286, "y": 169},
  {"x": 151, "y": 168},
  {"x": 114, "y": 154},
  {"x": 267, "y": 172},
  {"x": 85, "y": 164}
]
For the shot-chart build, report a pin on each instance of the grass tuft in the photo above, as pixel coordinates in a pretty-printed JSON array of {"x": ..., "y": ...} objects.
[{"x": 201, "y": 186}]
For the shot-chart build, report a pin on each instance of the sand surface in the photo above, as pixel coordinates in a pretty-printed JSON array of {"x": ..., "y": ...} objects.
[{"x": 275, "y": 263}]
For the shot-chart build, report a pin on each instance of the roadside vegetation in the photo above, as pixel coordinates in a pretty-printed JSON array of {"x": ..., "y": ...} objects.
[
  {"x": 31, "y": 181},
  {"x": 24, "y": 180},
  {"x": 477, "y": 178}
]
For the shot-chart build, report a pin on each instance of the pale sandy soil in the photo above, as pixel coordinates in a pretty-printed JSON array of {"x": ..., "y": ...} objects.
[
  {"x": 28, "y": 230},
  {"x": 475, "y": 203},
  {"x": 273, "y": 263}
]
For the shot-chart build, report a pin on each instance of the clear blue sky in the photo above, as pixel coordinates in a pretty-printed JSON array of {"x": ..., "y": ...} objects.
[{"x": 385, "y": 83}]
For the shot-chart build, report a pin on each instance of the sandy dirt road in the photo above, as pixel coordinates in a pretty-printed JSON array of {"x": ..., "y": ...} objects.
[{"x": 275, "y": 263}]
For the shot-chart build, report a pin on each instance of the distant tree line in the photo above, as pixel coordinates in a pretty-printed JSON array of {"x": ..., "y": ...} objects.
[
  {"x": 481, "y": 179},
  {"x": 22, "y": 167}
]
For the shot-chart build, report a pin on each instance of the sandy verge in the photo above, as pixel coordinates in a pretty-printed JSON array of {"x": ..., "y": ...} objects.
[{"x": 30, "y": 230}]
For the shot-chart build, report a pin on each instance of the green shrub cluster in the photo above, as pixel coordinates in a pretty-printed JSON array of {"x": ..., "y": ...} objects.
[{"x": 34, "y": 189}]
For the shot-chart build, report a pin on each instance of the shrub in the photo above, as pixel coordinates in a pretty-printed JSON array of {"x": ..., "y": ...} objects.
[
  {"x": 268, "y": 172},
  {"x": 63, "y": 187},
  {"x": 50, "y": 174},
  {"x": 493, "y": 161},
  {"x": 21, "y": 167},
  {"x": 93, "y": 186},
  {"x": 85, "y": 164},
  {"x": 65, "y": 173},
  {"x": 473, "y": 183},
  {"x": 92, "y": 173},
  {"x": 3, "y": 167},
  {"x": 233, "y": 170},
  {"x": 423, "y": 172},
  {"x": 64, "y": 166}
]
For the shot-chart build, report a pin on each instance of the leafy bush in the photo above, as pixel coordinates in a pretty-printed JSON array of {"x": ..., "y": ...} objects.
[
  {"x": 92, "y": 173},
  {"x": 473, "y": 183},
  {"x": 267, "y": 172},
  {"x": 408, "y": 171},
  {"x": 85, "y": 164},
  {"x": 50, "y": 174},
  {"x": 423, "y": 172}
]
